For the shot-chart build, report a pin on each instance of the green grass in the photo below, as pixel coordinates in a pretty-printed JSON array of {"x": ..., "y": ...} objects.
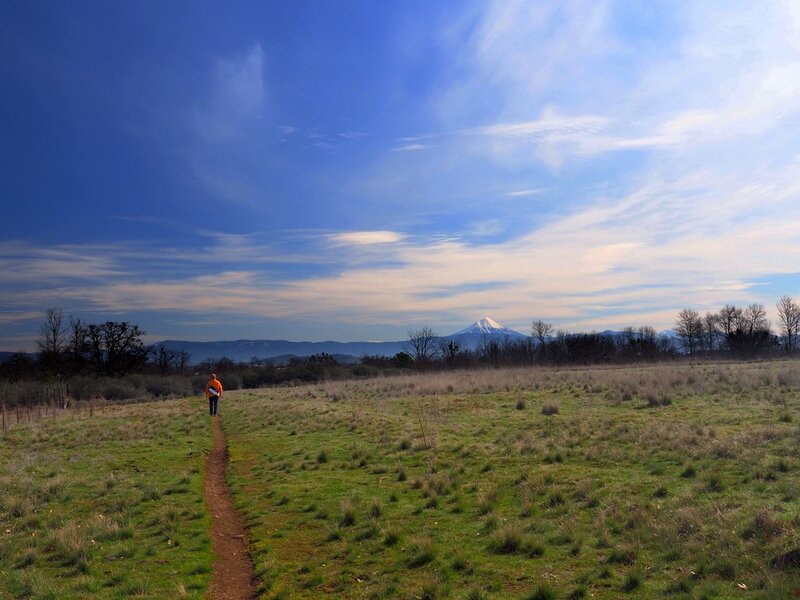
[
  {"x": 454, "y": 485},
  {"x": 445, "y": 486},
  {"x": 106, "y": 507}
]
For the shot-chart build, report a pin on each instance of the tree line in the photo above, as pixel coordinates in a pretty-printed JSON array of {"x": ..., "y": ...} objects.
[
  {"x": 733, "y": 331},
  {"x": 742, "y": 332},
  {"x": 69, "y": 348},
  {"x": 545, "y": 345}
]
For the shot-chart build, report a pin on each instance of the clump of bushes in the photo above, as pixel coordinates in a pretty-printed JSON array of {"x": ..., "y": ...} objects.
[
  {"x": 132, "y": 387},
  {"x": 548, "y": 409}
]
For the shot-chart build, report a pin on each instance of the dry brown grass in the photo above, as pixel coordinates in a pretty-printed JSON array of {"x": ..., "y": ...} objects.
[{"x": 620, "y": 382}]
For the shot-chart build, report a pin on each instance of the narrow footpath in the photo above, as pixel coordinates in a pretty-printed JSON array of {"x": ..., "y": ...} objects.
[{"x": 233, "y": 577}]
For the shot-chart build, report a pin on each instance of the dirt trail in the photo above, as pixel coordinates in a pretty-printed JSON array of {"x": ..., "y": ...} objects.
[{"x": 233, "y": 577}]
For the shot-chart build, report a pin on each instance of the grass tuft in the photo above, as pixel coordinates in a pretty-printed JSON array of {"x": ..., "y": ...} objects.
[
  {"x": 421, "y": 551},
  {"x": 543, "y": 591},
  {"x": 348, "y": 513}
]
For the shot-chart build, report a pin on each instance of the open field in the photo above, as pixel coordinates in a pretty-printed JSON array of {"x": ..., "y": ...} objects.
[
  {"x": 107, "y": 506},
  {"x": 637, "y": 482}
]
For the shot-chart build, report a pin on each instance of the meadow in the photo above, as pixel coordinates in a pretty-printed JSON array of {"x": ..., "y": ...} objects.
[
  {"x": 664, "y": 481},
  {"x": 675, "y": 481},
  {"x": 106, "y": 503}
]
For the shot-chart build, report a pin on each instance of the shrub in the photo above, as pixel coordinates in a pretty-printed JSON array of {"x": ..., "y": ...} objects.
[
  {"x": 549, "y": 409},
  {"x": 89, "y": 388},
  {"x": 160, "y": 386}
]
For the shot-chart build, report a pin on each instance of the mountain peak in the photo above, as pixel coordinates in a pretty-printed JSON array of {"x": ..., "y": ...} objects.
[{"x": 486, "y": 325}]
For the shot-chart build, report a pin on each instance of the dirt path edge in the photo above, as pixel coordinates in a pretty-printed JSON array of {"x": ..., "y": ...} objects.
[{"x": 232, "y": 577}]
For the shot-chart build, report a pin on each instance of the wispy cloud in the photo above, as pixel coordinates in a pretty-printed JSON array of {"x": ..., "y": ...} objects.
[
  {"x": 353, "y": 135},
  {"x": 236, "y": 97},
  {"x": 367, "y": 238},
  {"x": 19, "y": 316},
  {"x": 532, "y": 192},
  {"x": 411, "y": 148}
]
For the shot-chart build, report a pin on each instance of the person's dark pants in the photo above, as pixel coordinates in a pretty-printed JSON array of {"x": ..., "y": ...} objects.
[{"x": 212, "y": 405}]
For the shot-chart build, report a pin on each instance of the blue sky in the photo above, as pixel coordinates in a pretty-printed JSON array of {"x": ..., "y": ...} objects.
[{"x": 350, "y": 170}]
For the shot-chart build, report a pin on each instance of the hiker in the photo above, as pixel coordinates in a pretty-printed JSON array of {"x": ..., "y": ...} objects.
[{"x": 213, "y": 393}]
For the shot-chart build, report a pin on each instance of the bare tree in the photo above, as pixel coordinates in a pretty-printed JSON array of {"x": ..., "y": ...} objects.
[
  {"x": 689, "y": 328},
  {"x": 182, "y": 358},
  {"x": 754, "y": 319},
  {"x": 52, "y": 332},
  {"x": 541, "y": 330},
  {"x": 421, "y": 345},
  {"x": 711, "y": 331},
  {"x": 51, "y": 342},
  {"x": 789, "y": 322},
  {"x": 728, "y": 319},
  {"x": 450, "y": 350},
  {"x": 115, "y": 347},
  {"x": 752, "y": 334}
]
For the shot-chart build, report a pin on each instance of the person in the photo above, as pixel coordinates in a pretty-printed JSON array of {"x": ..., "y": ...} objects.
[{"x": 213, "y": 393}]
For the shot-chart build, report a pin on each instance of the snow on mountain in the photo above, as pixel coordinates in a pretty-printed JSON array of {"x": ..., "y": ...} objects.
[
  {"x": 487, "y": 326},
  {"x": 243, "y": 350}
]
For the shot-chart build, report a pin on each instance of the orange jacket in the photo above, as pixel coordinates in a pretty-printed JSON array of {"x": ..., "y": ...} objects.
[{"x": 213, "y": 383}]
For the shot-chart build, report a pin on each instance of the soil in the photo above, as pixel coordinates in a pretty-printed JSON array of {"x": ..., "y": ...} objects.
[{"x": 233, "y": 577}]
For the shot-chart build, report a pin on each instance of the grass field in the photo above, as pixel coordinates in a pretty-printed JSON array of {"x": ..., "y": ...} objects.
[
  {"x": 681, "y": 482},
  {"x": 664, "y": 481},
  {"x": 107, "y": 505}
]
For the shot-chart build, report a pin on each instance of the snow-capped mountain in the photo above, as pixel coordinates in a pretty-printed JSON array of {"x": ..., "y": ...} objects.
[
  {"x": 488, "y": 326},
  {"x": 469, "y": 338}
]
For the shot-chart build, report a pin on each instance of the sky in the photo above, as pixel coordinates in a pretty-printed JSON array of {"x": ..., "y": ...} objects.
[{"x": 351, "y": 170}]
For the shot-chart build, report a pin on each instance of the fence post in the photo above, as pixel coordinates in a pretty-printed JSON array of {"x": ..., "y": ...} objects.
[{"x": 4, "y": 413}]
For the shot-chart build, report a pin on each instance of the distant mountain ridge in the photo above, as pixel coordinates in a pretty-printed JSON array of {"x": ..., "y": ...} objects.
[
  {"x": 244, "y": 350},
  {"x": 472, "y": 337}
]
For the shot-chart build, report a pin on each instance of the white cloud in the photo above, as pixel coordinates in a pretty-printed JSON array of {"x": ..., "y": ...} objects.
[{"x": 366, "y": 238}]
